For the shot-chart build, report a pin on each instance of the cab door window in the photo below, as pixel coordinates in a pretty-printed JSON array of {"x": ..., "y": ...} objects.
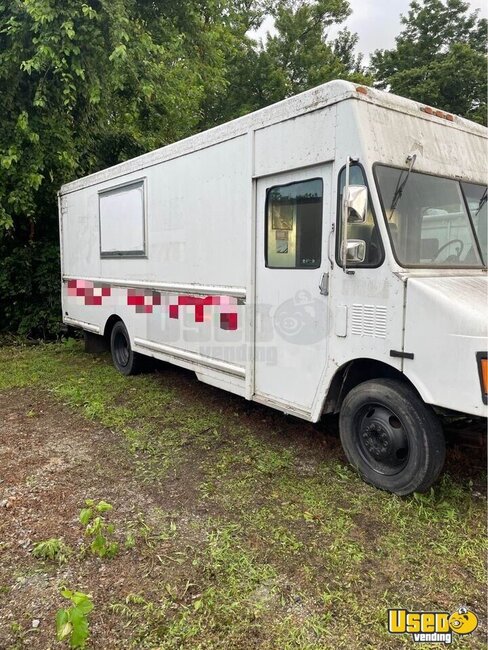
[
  {"x": 294, "y": 225},
  {"x": 366, "y": 231}
]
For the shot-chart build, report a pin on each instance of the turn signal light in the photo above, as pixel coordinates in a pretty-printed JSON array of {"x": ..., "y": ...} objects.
[
  {"x": 483, "y": 371},
  {"x": 484, "y": 375}
]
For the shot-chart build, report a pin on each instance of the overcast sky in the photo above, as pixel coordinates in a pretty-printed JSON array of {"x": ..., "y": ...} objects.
[{"x": 377, "y": 22}]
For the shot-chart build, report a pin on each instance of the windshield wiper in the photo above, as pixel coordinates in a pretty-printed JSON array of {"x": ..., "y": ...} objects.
[
  {"x": 401, "y": 185},
  {"x": 482, "y": 202}
]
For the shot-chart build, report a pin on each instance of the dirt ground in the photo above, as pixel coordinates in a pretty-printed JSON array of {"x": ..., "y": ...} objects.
[
  {"x": 51, "y": 461},
  {"x": 233, "y": 522}
]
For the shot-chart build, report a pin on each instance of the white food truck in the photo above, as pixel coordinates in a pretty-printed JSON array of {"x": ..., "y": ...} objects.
[{"x": 325, "y": 254}]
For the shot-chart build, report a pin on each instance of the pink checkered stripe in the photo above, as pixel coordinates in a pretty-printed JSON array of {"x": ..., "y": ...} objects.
[
  {"x": 145, "y": 300},
  {"x": 93, "y": 293}
]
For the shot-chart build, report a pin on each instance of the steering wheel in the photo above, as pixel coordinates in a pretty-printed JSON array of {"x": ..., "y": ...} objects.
[{"x": 453, "y": 241}]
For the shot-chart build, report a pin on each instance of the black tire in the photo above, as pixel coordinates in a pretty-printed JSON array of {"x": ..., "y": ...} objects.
[
  {"x": 391, "y": 437},
  {"x": 125, "y": 359}
]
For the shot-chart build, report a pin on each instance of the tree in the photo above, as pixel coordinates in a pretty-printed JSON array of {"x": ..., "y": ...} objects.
[
  {"x": 298, "y": 55},
  {"x": 85, "y": 85},
  {"x": 439, "y": 58},
  {"x": 345, "y": 49}
]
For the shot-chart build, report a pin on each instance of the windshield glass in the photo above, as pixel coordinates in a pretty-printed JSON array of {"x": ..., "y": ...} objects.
[
  {"x": 476, "y": 198},
  {"x": 430, "y": 225}
]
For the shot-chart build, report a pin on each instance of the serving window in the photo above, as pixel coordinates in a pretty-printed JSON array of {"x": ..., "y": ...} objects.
[{"x": 123, "y": 221}]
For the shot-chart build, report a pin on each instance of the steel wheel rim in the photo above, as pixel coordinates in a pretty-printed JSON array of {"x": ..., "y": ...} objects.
[{"x": 381, "y": 439}]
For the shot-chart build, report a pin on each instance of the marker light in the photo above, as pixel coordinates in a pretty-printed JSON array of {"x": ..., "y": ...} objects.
[
  {"x": 437, "y": 113},
  {"x": 484, "y": 375},
  {"x": 483, "y": 371}
]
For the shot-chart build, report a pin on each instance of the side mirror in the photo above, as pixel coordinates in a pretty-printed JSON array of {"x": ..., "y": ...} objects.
[
  {"x": 355, "y": 251},
  {"x": 357, "y": 202}
]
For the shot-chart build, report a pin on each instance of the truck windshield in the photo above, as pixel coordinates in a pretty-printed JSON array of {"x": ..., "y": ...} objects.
[{"x": 436, "y": 222}]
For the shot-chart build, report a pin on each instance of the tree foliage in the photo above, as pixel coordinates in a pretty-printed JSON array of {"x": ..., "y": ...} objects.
[
  {"x": 439, "y": 58},
  {"x": 298, "y": 54},
  {"x": 85, "y": 85}
]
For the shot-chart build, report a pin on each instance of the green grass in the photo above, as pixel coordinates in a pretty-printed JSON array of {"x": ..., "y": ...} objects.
[{"x": 286, "y": 559}]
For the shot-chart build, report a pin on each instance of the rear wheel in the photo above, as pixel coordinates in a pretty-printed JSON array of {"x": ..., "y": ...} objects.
[
  {"x": 125, "y": 359},
  {"x": 392, "y": 438}
]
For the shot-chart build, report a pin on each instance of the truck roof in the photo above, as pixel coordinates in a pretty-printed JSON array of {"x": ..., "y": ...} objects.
[{"x": 306, "y": 102}]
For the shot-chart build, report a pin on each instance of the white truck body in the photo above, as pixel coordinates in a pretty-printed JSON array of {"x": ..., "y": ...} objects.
[{"x": 181, "y": 245}]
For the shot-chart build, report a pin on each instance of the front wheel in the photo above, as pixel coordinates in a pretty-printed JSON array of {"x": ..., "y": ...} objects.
[{"x": 392, "y": 438}]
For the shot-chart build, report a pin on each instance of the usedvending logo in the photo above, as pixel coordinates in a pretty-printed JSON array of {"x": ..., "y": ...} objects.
[{"x": 432, "y": 627}]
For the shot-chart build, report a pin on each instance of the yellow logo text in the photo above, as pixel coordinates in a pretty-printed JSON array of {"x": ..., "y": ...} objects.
[{"x": 432, "y": 627}]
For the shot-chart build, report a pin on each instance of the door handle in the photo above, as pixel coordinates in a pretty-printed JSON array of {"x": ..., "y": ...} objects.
[
  {"x": 329, "y": 241},
  {"x": 324, "y": 284}
]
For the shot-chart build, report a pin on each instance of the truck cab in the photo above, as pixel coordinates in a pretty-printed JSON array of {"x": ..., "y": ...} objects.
[{"x": 410, "y": 271}]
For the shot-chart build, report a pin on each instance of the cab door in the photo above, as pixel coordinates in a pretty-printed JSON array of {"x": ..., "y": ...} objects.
[{"x": 291, "y": 264}]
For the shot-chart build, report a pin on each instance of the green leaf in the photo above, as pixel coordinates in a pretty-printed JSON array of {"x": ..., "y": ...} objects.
[
  {"x": 103, "y": 506},
  {"x": 64, "y": 631},
  {"x": 119, "y": 53},
  {"x": 112, "y": 549},
  {"x": 80, "y": 632},
  {"x": 94, "y": 527},
  {"x": 83, "y": 602},
  {"x": 63, "y": 627},
  {"x": 85, "y": 516},
  {"x": 98, "y": 546}
]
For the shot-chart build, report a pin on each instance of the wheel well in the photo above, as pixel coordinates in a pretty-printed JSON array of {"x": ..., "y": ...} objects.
[
  {"x": 355, "y": 372},
  {"x": 109, "y": 325}
]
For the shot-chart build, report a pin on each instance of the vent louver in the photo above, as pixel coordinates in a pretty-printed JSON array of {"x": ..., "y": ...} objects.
[{"x": 369, "y": 320}]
